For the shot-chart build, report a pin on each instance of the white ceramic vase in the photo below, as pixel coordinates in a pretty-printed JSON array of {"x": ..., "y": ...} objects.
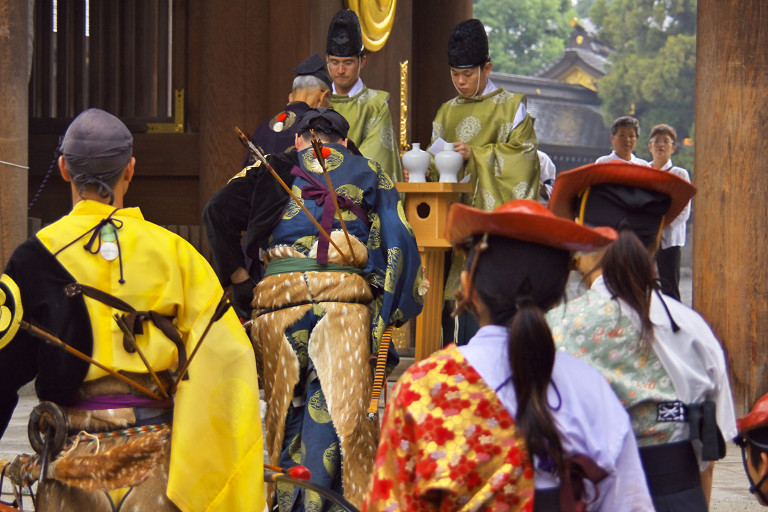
[
  {"x": 448, "y": 163},
  {"x": 416, "y": 162}
]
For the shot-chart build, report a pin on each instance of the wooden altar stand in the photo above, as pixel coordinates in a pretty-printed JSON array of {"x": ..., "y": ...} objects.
[{"x": 426, "y": 208}]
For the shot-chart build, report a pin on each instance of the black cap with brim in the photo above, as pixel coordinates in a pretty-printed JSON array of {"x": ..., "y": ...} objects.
[
  {"x": 621, "y": 194},
  {"x": 620, "y": 206},
  {"x": 314, "y": 66},
  {"x": 468, "y": 45},
  {"x": 345, "y": 39},
  {"x": 325, "y": 120}
]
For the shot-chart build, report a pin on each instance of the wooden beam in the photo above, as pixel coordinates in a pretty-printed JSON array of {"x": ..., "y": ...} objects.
[
  {"x": 730, "y": 228},
  {"x": 14, "y": 64}
]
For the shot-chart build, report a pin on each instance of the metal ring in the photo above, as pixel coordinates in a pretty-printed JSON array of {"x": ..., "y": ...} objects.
[{"x": 47, "y": 418}]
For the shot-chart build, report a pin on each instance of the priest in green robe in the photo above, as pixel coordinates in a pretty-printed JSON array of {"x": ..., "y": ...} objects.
[
  {"x": 366, "y": 110},
  {"x": 494, "y": 134}
]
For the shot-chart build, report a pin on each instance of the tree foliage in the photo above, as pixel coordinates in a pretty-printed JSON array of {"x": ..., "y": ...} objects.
[
  {"x": 524, "y": 35},
  {"x": 652, "y": 74}
]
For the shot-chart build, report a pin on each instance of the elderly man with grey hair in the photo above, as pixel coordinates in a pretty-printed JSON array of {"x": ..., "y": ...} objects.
[{"x": 311, "y": 89}]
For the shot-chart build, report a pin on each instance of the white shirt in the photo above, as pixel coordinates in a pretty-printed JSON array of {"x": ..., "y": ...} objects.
[
  {"x": 591, "y": 420},
  {"x": 547, "y": 174},
  {"x": 613, "y": 156},
  {"x": 692, "y": 357},
  {"x": 674, "y": 234}
]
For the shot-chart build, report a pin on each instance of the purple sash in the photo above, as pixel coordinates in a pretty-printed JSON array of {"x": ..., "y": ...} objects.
[{"x": 320, "y": 194}]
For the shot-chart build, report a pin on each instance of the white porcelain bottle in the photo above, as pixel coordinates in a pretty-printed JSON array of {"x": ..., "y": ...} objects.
[
  {"x": 416, "y": 162},
  {"x": 448, "y": 163}
]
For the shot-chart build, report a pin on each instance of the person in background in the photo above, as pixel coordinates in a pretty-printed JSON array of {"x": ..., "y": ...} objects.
[
  {"x": 502, "y": 421},
  {"x": 321, "y": 310},
  {"x": 753, "y": 441},
  {"x": 662, "y": 144},
  {"x": 311, "y": 89},
  {"x": 624, "y": 133},
  {"x": 661, "y": 357},
  {"x": 494, "y": 134},
  {"x": 366, "y": 110},
  {"x": 137, "y": 299},
  {"x": 548, "y": 174}
]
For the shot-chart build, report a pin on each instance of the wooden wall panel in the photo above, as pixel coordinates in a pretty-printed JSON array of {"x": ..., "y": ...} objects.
[
  {"x": 433, "y": 21},
  {"x": 730, "y": 228},
  {"x": 229, "y": 41}
]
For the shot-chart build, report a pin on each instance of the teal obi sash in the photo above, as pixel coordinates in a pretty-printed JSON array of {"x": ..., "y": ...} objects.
[{"x": 288, "y": 265}]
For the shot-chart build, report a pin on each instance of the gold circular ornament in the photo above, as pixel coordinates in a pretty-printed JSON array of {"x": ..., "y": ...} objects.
[
  {"x": 10, "y": 309},
  {"x": 318, "y": 408},
  {"x": 376, "y": 19}
]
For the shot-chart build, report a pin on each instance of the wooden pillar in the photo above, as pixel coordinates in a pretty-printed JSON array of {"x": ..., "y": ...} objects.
[
  {"x": 730, "y": 228},
  {"x": 14, "y": 76}
]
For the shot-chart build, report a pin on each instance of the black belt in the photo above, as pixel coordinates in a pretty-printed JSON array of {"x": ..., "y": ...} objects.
[
  {"x": 702, "y": 422},
  {"x": 670, "y": 468},
  {"x": 546, "y": 500}
]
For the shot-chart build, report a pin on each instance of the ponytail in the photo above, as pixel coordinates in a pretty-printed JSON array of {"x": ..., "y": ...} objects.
[
  {"x": 629, "y": 274},
  {"x": 509, "y": 281},
  {"x": 531, "y": 352}
]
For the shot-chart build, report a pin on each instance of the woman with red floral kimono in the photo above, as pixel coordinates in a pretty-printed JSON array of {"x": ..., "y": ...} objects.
[{"x": 496, "y": 424}]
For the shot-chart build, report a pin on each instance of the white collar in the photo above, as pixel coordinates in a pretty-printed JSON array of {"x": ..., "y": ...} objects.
[{"x": 356, "y": 89}]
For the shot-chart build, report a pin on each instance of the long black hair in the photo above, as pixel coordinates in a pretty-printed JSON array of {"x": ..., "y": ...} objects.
[
  {"x": 629, "y": 274},
  {"x": 517, "y": 281}
]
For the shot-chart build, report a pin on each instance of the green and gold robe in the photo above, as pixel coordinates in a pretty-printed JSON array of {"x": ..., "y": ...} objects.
[
  {"x": 503, "y": 165},
  {"x": 370, "y": 127}
]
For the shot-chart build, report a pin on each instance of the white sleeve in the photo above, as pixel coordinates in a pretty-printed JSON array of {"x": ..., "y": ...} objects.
[
  {"x": 626, "y": 488},
  {"x": 522, "y": 111},
  {"x": 683, "y": 217}
]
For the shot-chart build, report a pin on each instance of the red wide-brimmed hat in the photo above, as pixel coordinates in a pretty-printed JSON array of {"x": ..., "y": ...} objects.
[
  {"x": 571, "y": 183},
  {"x": 525, "y": 220},
  {"x": 756, "y": 418}
]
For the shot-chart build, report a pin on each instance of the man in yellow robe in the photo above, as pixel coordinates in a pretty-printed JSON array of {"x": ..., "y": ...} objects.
[{"x": 120, "y": 289}]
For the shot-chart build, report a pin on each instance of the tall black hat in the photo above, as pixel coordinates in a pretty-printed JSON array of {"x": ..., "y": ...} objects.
[
  {"x": 345, "y": 39},
  {"x": 314, "y": 66},
  {"x": 468, "y": 45}
]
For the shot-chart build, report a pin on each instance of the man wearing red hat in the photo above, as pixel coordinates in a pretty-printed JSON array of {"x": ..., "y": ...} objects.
[
  {"x": 660, "y": 356},
  {"x": 753, "y": 440}
]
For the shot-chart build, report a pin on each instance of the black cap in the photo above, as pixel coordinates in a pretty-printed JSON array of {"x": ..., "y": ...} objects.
[
  {"x": 468, "y": 45},
  {"x": 619, "y": 206},
  {"x": 324, "y": 120},
  {"x": 314, "y": 66},
  {"x": 345, "y": 39}
]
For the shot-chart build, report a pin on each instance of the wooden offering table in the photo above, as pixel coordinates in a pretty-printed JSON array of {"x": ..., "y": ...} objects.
[{"x": 426, "y": 208}]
